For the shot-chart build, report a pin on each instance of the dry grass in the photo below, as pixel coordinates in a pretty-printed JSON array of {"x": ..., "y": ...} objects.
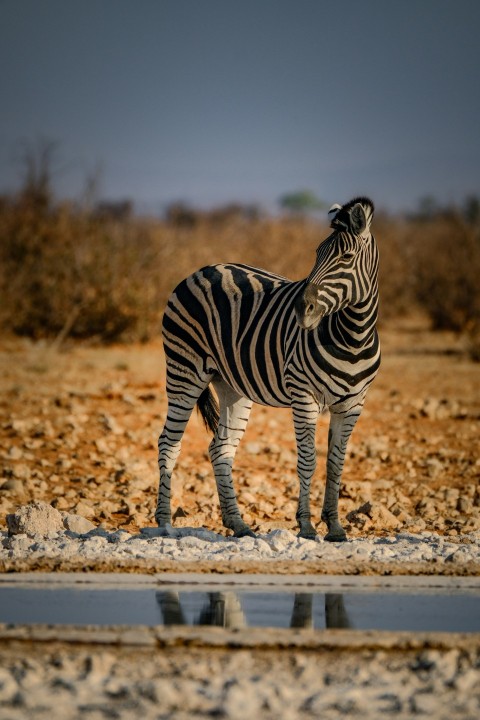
[{"x": 66, "y": 272}]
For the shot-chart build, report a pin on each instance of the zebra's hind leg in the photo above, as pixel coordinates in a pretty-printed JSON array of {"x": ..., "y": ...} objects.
[
  {"x": 341, "y": 426},
  {"x": 305, "y": 415},
  {"x": 181, "y": 401},
  {"x": 234, "y": 414}
]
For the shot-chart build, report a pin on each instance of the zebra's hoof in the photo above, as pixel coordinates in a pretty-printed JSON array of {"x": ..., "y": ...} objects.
[
  {"x": 163, "y": 522},
  {"x": 308, "y": 534},
  {"x": 336, "y": 536},
  {"x": 244, "y": 532}
]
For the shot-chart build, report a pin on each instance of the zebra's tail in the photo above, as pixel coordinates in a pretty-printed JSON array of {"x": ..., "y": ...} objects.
[{"x": 209, "y": 410}]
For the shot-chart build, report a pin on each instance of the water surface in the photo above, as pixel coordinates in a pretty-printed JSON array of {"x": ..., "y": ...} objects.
[{"x": 452, "y": 611}]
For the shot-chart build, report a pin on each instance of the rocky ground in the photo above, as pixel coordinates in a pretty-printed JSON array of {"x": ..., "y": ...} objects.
[
  {"x": 98, "y": 683},
  {"x": 78, "y": 429},
  {"x": 78, "y": 432},
  {"x": 40, "y": 537}
]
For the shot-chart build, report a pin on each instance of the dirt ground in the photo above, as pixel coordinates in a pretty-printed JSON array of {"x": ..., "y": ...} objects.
[
  {"x": 79, "y": 427},
  {"x": 78, "y": 681}
]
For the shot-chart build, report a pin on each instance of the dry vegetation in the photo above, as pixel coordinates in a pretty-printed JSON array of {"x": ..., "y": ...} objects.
[{"x": 68, "y": 272}]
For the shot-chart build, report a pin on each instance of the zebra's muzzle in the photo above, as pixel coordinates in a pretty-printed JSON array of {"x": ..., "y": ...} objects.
[{"x": 309, "y": 309}]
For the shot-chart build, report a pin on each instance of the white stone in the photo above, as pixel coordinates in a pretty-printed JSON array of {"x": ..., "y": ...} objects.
[
  {"x": 77, "y": 523},
  {"x": 36, "y": 519}
]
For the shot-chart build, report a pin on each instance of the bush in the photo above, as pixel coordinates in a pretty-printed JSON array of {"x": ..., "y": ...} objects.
[
  {"x": 395, "y": 280},
  {"x": 446, "y": 270},
  {"x": 68, "y": 272},
  {"x": 63, "y": 271}
]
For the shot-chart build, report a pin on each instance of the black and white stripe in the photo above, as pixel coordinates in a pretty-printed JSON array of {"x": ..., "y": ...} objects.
[{"x": 257, "y": 337}]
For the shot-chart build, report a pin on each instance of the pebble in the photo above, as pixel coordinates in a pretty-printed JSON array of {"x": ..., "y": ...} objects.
[
  {"x": 14, "y": 485},
  {"x": 191, "y": 544},
  {"x": 15, "y": 453},
  {"x": 119, "y": 536},
  {"x": 70, "y": 683},
  {"x": 253, "y": 448},
  {"x": 39, "y": 529},
  {"x": 464, "y": 505},
  {"x": 77, "y": 524},
  {"x": 84, "y": 509}
]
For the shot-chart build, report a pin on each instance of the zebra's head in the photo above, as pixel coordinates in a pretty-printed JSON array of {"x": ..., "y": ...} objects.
[{"x": 345, "y": 271}]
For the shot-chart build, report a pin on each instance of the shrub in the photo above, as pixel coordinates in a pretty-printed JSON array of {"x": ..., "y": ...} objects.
[
  {"x": 63, "y": 271},
  {"x": 445, "y": 256},
  {"x": 68, "y": 272}
]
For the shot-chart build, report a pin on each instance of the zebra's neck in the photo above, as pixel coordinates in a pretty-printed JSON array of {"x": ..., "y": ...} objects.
[{"x": 352, "y": 330}]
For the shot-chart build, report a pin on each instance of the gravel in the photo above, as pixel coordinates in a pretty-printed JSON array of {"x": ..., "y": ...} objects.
[
  {"x": 78, "y": 682},
  {"x": 39, "y": 534},
  {"x": 51, "y": 678}
]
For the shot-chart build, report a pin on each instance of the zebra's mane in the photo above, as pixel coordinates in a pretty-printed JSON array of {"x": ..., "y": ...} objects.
[
  {"x": 365, "y": 201},
  {"x": 340, "y": 213}
]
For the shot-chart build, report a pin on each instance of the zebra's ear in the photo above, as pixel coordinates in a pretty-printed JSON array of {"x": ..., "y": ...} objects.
[{"x": 358, "y": 219}]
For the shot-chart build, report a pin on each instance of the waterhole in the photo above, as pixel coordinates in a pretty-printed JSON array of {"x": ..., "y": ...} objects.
[{"x": 453, "y": 610}]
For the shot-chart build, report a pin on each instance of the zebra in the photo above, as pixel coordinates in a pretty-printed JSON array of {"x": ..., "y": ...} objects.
[{"x": 256, "y": 337}]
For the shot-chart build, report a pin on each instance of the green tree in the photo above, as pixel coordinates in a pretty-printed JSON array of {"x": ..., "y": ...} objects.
[{"x": 301, "y": 202}]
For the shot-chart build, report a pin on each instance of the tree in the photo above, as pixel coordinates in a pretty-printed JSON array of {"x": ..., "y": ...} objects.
[
  {"x": 301, "y": 202},
  {"x": 37, "y": 162},
  {"x": 471, "y": 210}
]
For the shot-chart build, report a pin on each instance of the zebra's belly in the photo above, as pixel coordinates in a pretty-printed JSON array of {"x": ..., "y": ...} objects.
[{"x": 261, "y": 382}]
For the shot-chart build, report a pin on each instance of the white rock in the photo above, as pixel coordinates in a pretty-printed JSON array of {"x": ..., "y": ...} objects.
[
  {"x": 36, "y": 519},
  {"x": 14, "y": 485},
  {"x": 8, "y": 687},
  {"x": 279, "y": 540},
  {"x": 93, "y": 545},
  {"x": 119, "y": 536},
  {"x": 84, "y": 509},
  {"x": 425, "y": 704},
  {"x": 77, "y": 523},
  {"x": 240, "y": 703},
  {"x": 467, "y": 682},
  {"x": 253, "y": 448},
  {"x": 19, "y": 545},
  {"x": 21, "y": 471}
]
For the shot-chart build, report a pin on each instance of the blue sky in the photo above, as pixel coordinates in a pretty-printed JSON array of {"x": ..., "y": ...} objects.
[{"x": 212, "y": 101}]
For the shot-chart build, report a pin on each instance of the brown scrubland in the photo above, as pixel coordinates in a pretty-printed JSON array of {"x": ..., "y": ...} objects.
[{"x": 81, "y": 300}]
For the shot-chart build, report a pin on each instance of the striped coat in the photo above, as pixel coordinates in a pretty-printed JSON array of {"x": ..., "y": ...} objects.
[{"x": 257, "y": 337}]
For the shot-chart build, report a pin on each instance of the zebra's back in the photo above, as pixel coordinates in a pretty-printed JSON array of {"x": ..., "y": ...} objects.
[{"x": 238, "y": 320}]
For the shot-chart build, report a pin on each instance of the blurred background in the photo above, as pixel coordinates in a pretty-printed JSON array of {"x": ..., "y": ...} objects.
[{"x": 142, "y": 139}]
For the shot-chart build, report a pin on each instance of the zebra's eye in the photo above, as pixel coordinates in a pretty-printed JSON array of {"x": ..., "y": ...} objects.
[{"x": 348, "y": 255}]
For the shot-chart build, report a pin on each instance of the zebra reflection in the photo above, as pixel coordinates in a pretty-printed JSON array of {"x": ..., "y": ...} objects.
[{"x": 224, "y": 609}]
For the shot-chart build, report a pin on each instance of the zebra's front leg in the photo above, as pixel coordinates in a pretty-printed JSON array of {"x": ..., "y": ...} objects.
[
  {"x": 234, "y": 414},
  {"x": 341, "y": 426},
  {"x": 305, "y": 415}
]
